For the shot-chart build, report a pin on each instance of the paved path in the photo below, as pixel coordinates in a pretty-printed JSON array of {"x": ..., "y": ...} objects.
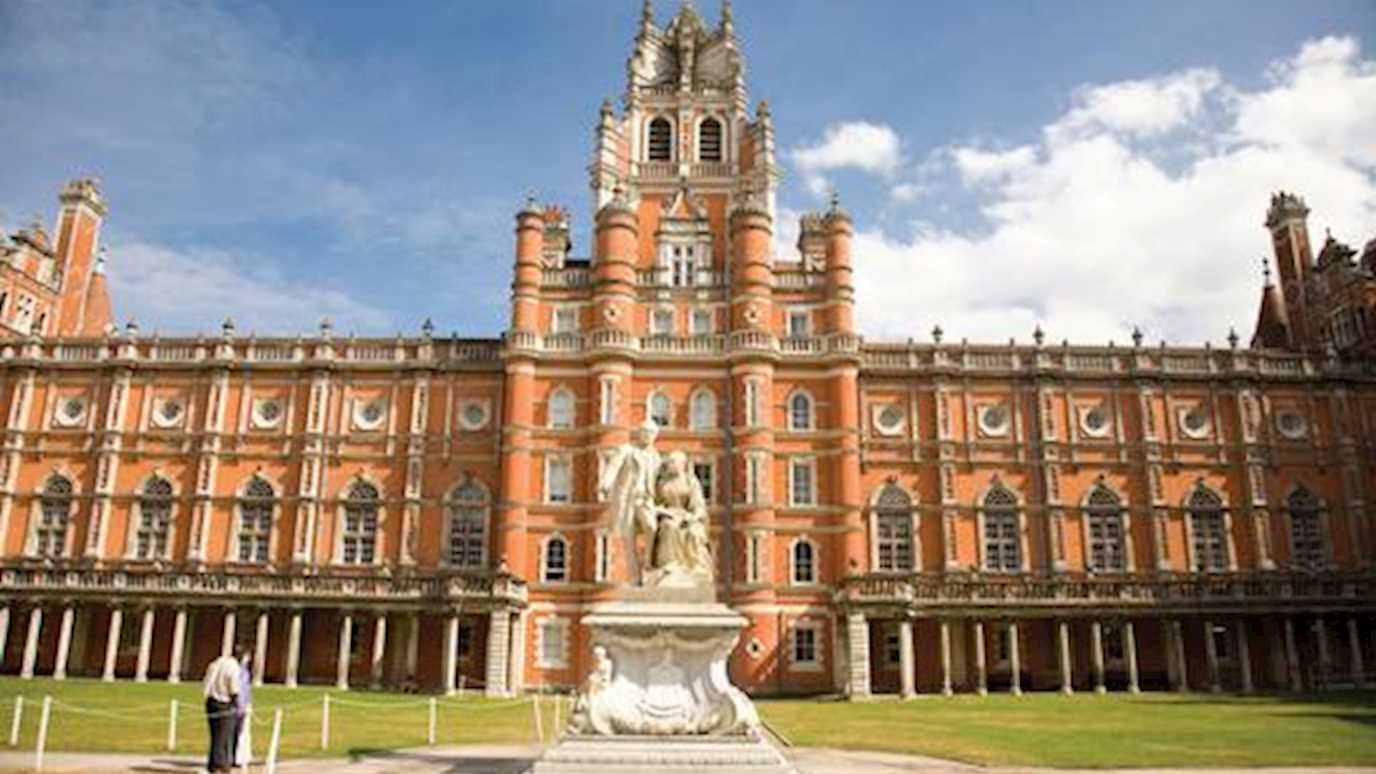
[{"x": 515, "y": 760}]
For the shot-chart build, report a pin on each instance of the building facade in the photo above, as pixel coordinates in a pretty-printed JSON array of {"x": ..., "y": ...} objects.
[{"x": 891, "y": 517}]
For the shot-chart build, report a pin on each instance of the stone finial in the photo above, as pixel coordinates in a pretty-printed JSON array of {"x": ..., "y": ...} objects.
[
  {"x": 937, "y": 333},
  {"x": 1266, "y": 271},
  {"x": 131, "y": 328},
  {"x": 427, "y": 328},
  {"x": 1136, "y": 337},
  {"x": 101, "y": 258},
  {"x": 1232, "y": 338},
  {"x": 728, "y": 19},
  {"x": 326, "y": 327},
  {"x": 227, "y": 327},
  {"x": 1038, "y": 335}
]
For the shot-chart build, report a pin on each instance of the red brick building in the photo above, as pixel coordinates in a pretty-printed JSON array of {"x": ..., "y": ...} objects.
[{"x": 891, "y": 517}]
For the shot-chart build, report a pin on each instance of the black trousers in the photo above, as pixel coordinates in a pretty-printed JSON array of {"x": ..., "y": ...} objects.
[{"x": 221, "y": 717}]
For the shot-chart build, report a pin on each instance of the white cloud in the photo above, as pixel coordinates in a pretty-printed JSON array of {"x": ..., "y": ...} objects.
[
  {"x": 1093, "y": 231},
  {"x": 194, "y": 290},
  {"x": 860, "y": 145},
  {"x": 1143, "y": 108}
]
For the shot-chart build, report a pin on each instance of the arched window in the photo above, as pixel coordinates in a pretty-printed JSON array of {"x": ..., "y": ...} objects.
[
  {"x": 800, "y": 411},
  {"x": 1104, "y": 522},
  {"x": 360, "y": 524},
  {"x": 1002, "y": 536},
  {"x": 154, "y": 520},
  {"x": 468, "y": 506},
  {"x": 894, "y": 530},
  {"x": 709, "y": 140},
  {"x": 256, "y": 506},
  {"x": 702, "y": 410},
  {"x": 556, "y": 569},
  {"x": 1210, "y": 533},
  {"x": 661, "y": 409},
  {"x": 804, "y": 562},
  {"x": 661, "y": 146},
  {"x": 1306, "y": 530},
  {"x": 561, "y": 409},
  {"x": 54, "y": 514}
]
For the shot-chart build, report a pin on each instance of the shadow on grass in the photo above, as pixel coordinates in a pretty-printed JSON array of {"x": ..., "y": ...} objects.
[{"x": 468, "y": 764}]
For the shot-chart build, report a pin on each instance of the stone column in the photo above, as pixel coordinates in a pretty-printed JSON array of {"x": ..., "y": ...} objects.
[
  {"x": 518, "y": 654},
  {"x": 346, "y": 643},
  {"x": 1325, "y": 663},
  {"x": 858, "y": 643},
  {"x": 413, "y": 647},
  {"x": 231, "y": 620},
  {"x": 112, "y": 643},
  {"x": 293, "y": 647},
  {"x": 81, "y": 632},
  {"x": 1292, "y": 658},
  {"x": 4, "y": 631},
  {"x": 498, "y": 650},
  {"x": 1244, "y": 656},
  {"x": 64, "y": 642},
  {"x": 379, "y": 648},
  {"x": 1130, "y": 651},
  {"x": 31, "y": 643},
  {"x": 1211, "y": 657},
  {"x": 1063, "y": 654},
  {"x": 1182, "y": 666},
  {"x": 145, "y": 645},
  {"x": 946, "y": 689},
  {"x": 981, "y": 667},
  {"x": 451, "y": 645},
  {"x": 174, "y": 664},
  {"x": 1096, "y": 655},
  {"x": 1354, "y": 650},
  {"x": 260, "y": 646},
  {"x": 907, "y": 661},
  {"x": 1014, "y": 659}
]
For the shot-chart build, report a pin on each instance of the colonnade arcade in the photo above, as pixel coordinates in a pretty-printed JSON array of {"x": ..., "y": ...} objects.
[
  {"x": 434, "y": 633},
  {"x": 1239, "y": 633}
]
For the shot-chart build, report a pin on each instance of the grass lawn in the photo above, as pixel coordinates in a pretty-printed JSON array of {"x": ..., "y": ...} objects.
[
  {"x": 132, "y": 717},
  {"x": 1033, "y": 730},
  {"x": 1097, "y": 731}
]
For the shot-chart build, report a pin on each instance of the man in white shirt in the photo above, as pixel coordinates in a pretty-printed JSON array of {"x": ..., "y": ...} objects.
[{"x": 222, "y": 686}]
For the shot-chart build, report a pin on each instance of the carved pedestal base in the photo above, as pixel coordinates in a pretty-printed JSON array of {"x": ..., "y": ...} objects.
[{"x": 659, "y": 699}]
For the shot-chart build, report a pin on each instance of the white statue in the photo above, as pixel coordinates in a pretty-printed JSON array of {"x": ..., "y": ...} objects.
[
  {"x": 681, "y": 555},
  {"x": 628, "y": 487}
]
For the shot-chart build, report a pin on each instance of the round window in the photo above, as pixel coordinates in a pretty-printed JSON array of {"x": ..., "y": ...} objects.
[
  {"x": 1292, "y": 424},
  {"x": 993, "y": 419},
  {"x": 473, "y": 414},
  {"x": 1195, "y": 422},
  {"x": 1096, "y": 422},
  {"x": 267, "y": 412},
  {"x": 888, "y": 420}
]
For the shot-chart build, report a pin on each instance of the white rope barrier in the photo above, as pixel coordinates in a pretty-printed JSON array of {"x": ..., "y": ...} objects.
[{"x": 14, "y": 724}]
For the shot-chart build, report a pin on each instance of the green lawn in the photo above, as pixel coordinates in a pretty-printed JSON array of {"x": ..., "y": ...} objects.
[
  {"x": 130, "y": 717},
  {"x": 1097, "y": 731},
  {"x": 1032, "y": 730}
]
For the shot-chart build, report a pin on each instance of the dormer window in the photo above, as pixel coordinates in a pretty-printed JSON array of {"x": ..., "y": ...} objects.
[
  {"x": 709, "y": 140},
  {"x": 661, "y": 145}
]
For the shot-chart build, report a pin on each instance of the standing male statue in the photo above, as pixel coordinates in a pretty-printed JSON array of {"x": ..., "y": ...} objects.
[{"x": 627, "y": 487}]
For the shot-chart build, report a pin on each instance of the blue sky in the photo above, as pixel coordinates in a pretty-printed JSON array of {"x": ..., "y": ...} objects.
[{"x": 1018, "y": 163}]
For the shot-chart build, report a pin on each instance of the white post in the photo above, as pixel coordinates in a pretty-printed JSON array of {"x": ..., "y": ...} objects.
[
  {"x": 325, "y": 722},
  {"x": 174, "y": 665},
  {"x": 430, "y": 728},
  {"x": 14, "y": 723},
  {"x": 248, "y": 753},
  {"x": 293, "y": 648},
  {"x": 42, "y": 733},
  {"x": 276, "y": 738},
  {"x": 145, "y": 646},
  {"x": 172, "y": 726},
  {"x": 539, "y": 721},
  {"x": 112, "y": 643},
  {"x": 64, "y": 643},
  {"x": 346, "y": 634},
  {"x": 379, "y": 648},
  {"x": 260, "y": 648},
  {"x": 31, "y": 643},
  {"x": 4, "y": 630},
  {"x": 227, "y": 633}
]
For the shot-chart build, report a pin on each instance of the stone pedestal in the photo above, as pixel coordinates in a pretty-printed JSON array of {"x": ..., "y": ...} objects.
[{"x": 659, "y": 698}]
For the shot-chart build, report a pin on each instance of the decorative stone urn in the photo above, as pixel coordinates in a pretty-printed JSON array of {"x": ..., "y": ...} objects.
[{"x": 658, "y": 698}]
